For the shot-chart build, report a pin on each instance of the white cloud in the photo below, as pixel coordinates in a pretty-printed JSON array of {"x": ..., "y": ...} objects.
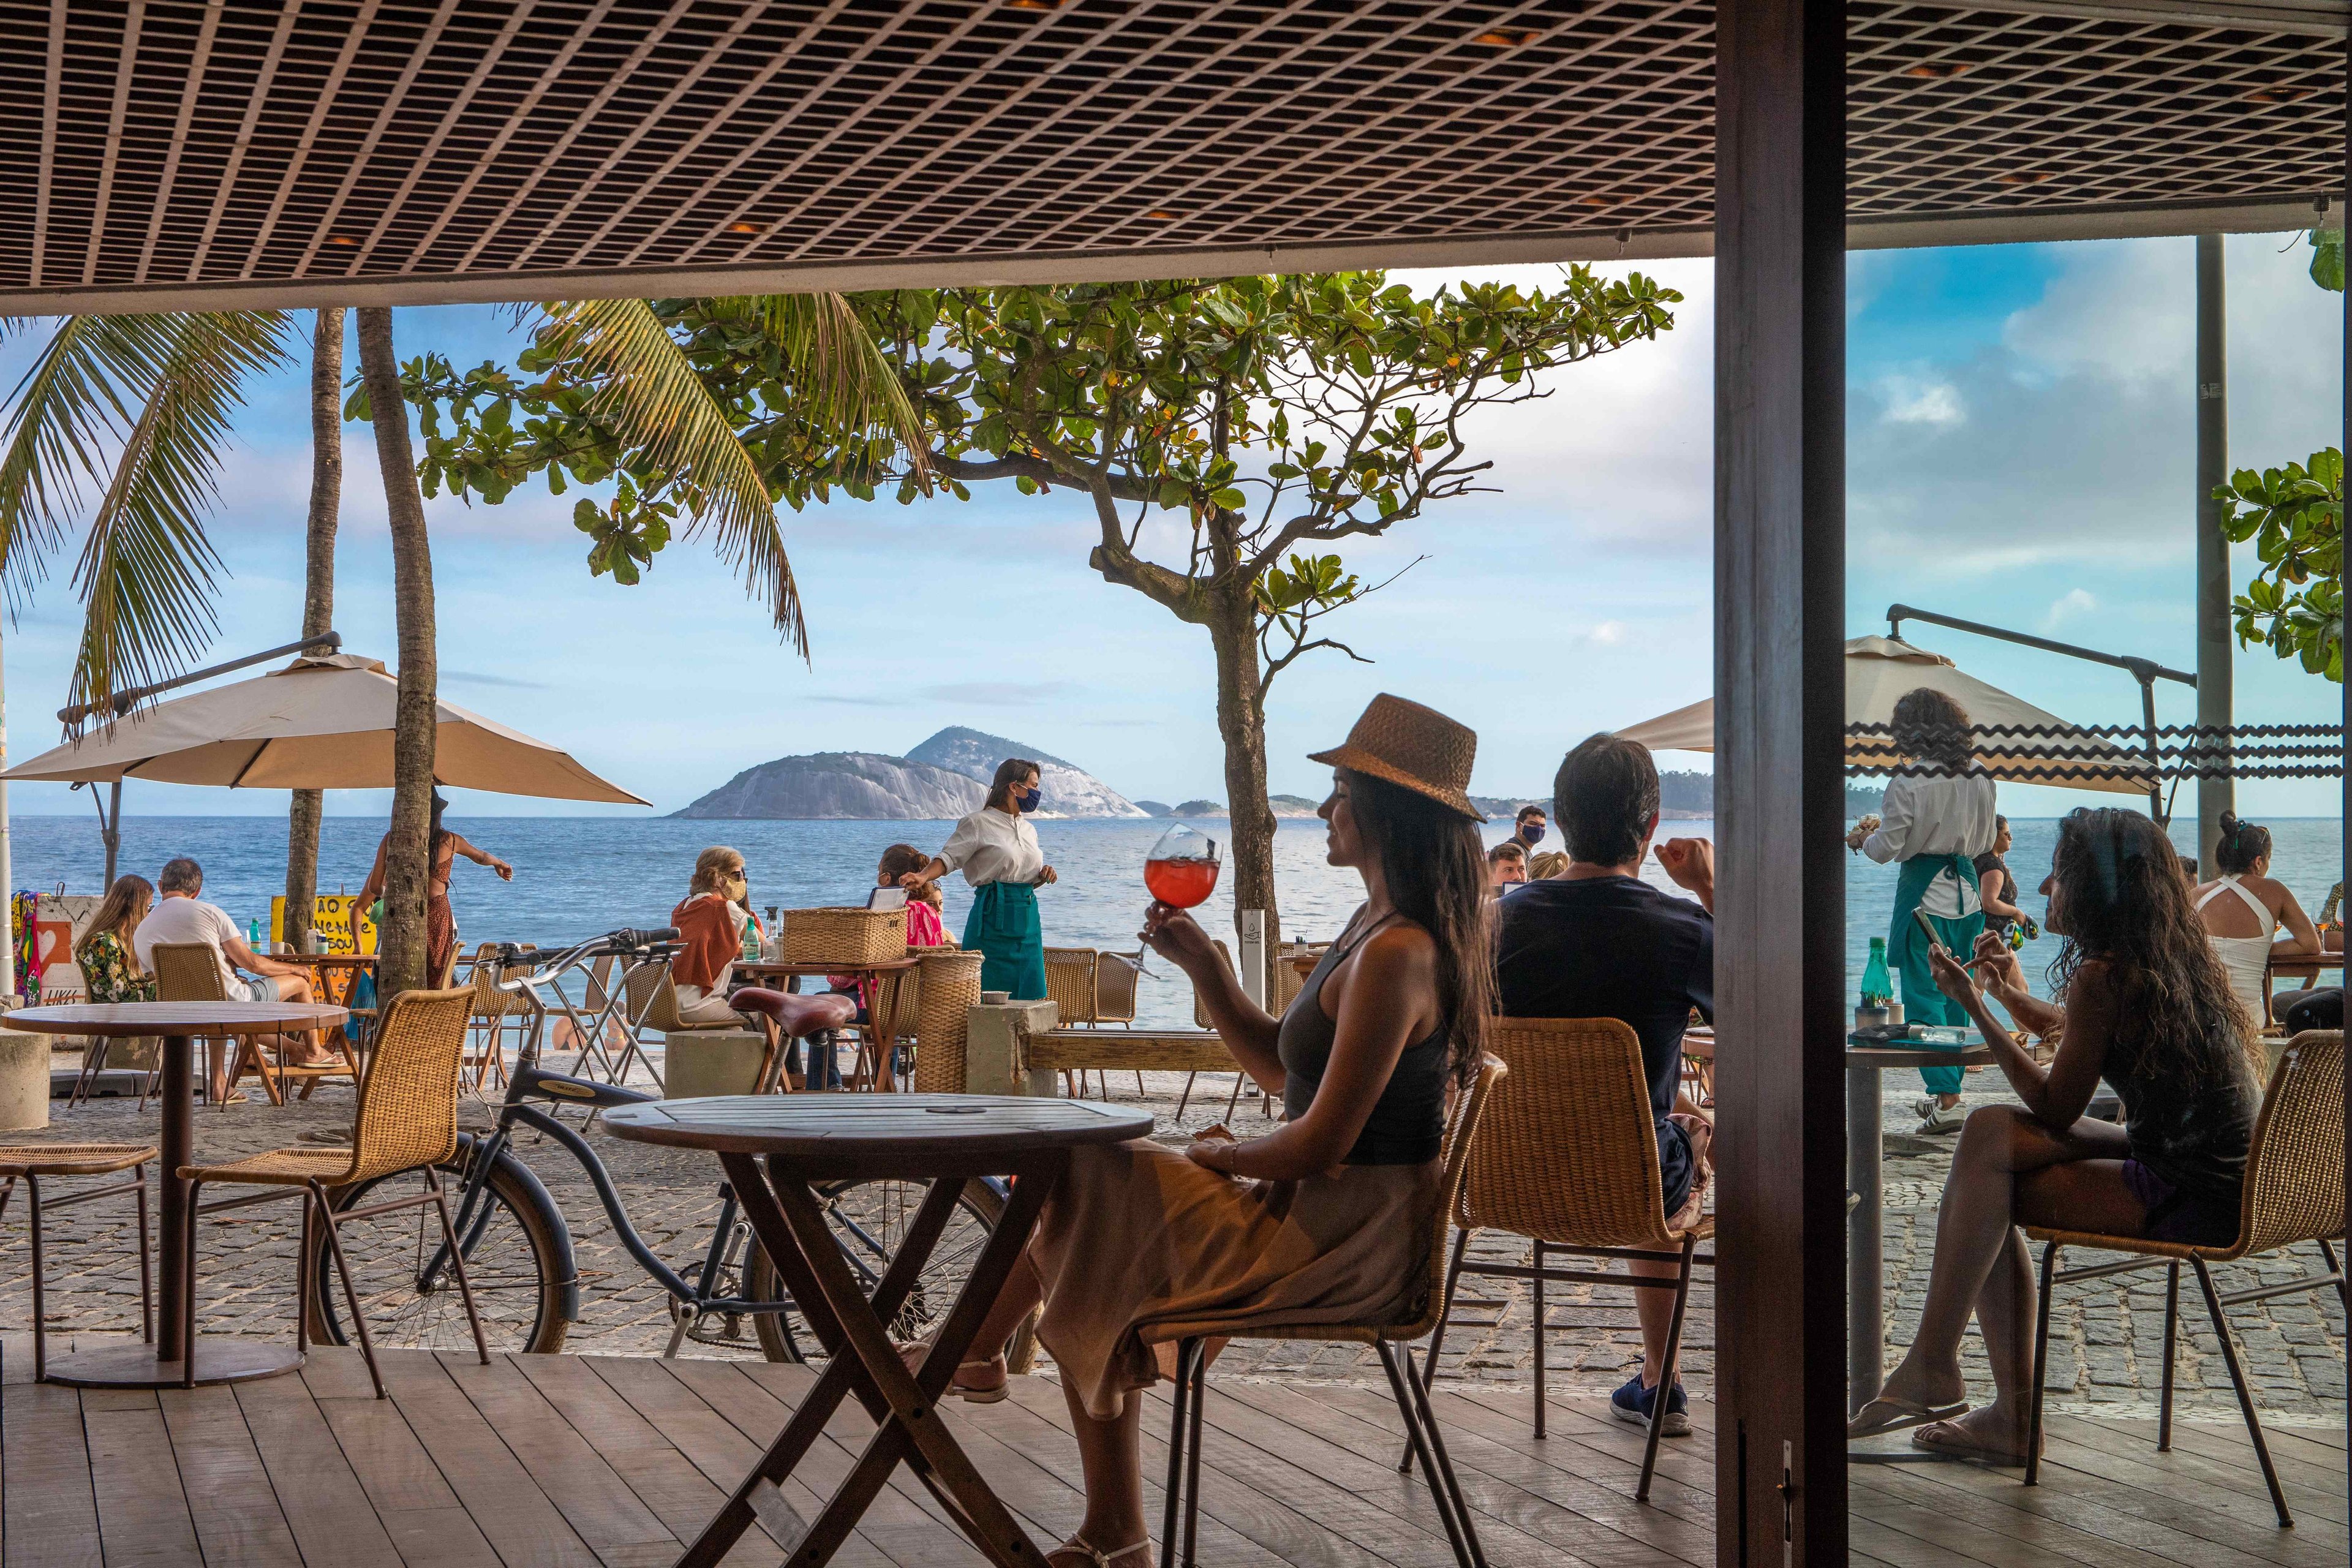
[
  {"x": 2073, "y": 602},
  {"x": 1605, "y": 634},
  {"x": 1910, "y": 401}
]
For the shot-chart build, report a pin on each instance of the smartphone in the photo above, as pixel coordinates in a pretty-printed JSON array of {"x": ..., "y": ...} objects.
[{"x": 1926, "y": 930}]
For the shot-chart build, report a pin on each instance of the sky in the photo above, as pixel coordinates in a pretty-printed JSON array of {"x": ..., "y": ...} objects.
[{"x": 2021, "y": 451}]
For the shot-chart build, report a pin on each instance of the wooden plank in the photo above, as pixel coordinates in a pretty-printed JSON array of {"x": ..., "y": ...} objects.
[
  {"x": 521, "y": 1525},
  {"x": 420, "y": 1513},
  {"x": 594, "y": 1499},
  {"x": 2308, "y": 1465},
  {"x": 1233, "y": 1506},
  {"x": 48, "y": 1516},
  {"x": 142, "y": 1512},
  {"x": 2134, "y": 1458},
  {"x": 1146, "y": 1050},
  {"x": 905, "y": 1523},
  {"x": 1615, "y": 1531},
  {"x": 237, "y": 1519},
  {"x": 724, "y": 1452},
  {"x": 323, "y": 1503},
  {"x": 667, "y": 1482}
]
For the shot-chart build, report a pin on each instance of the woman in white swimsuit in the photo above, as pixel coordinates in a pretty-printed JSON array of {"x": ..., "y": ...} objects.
[{"x": 2243, "y": 911}]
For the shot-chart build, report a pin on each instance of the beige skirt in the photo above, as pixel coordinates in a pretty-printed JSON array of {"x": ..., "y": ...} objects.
[{"x": 1138, "y": 1235}]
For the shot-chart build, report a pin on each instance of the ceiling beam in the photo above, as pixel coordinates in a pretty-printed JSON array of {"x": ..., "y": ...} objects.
[{"x": 2304, "y": 19}]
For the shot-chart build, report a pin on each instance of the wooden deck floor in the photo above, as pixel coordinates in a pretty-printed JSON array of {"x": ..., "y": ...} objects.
[{"x": 608, "y": 1462}]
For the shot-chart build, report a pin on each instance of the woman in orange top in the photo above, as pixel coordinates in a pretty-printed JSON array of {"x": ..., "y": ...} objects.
[{"x": 711, "y": 924}]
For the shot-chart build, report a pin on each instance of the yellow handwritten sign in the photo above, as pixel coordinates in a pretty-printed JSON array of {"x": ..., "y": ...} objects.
[{"x": 343, "y": 926}]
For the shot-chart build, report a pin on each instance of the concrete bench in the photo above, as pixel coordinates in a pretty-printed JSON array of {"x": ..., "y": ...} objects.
[{"x": 699, "y": 1063}]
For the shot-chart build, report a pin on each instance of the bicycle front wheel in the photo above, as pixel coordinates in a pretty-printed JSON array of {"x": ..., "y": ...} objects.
[
  {"x": 514, "y": 1251},
  {"x": 870, "y": 1220}
]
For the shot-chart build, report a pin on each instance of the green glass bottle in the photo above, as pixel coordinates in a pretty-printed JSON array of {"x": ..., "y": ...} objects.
[{"x": 1877, "y": 987}]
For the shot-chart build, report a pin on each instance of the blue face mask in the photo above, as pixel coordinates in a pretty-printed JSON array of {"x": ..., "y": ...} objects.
[
  {"x": 1531, "y": 832},
  {"x": 1027, "y": 799}
]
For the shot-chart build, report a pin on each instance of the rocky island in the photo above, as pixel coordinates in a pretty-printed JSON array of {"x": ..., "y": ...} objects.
[{"x": 945, "y": 777}]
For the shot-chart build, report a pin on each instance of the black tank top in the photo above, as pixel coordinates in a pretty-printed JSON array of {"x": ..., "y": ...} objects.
[{"x": 1407, "y": 1126}]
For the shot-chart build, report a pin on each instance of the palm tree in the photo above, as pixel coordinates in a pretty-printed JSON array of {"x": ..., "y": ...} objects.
[{"x": 303, "y": 812}]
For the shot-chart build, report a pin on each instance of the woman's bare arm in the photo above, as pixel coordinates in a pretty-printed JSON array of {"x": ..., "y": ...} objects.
[
  {"x": 1388, "y": 999},
  {"x": 2303, "y": 937},
  {"x": 2056, "y": 1095}
]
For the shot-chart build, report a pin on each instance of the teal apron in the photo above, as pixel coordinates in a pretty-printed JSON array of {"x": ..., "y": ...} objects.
[
  {"x": 1003, "y": 930},
  {"x": 1923, "y": 1001}
]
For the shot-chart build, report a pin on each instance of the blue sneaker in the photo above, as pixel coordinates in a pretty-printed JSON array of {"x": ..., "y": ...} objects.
[{"x": 1631, "y": 1404}]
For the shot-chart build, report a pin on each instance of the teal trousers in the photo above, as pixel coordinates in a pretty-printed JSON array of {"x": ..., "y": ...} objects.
[{"x": 1924, "y": 1001}]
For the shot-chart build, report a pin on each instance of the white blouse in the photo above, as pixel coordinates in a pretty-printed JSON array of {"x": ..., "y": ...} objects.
[
  {"x": 1933, "y": 813},
  {"x": 992, "y": 846}
]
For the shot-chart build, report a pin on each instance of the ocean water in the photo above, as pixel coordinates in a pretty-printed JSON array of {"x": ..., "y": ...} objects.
[{"x": 577, "y": 876}]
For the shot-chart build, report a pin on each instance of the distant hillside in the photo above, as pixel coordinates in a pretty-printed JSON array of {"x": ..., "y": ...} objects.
[
  {"x": 843, "y": 785},
  {"x": 1068, "y": 789}
]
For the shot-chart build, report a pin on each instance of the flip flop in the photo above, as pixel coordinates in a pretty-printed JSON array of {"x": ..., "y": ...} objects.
[
  {"x": 1906, "y": 1414},
  {"x": 1975, "y": 1453}
]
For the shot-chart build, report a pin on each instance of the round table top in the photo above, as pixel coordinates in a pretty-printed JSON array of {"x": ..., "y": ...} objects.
[
  {"x": 132, "y": 1019},
  {"x": 920, "y": 1132},
  {"x": 328, "y": 960},
  {"x": 824, "y": 966},
  {"x": 1973, "y": 1055}
]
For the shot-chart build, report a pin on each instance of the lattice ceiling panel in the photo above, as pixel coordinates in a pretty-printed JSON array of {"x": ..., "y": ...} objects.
[{"x": 176, "y": 144}]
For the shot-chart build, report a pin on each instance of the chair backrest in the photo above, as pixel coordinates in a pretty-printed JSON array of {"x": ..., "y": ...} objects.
[
  {"x": 1115, "y": 977},
  {"x": 408, "y": 1102},
  {"x": 188, "y": 972},
  {"x": 1463, "y": 1134},
  {"x": 1569, "y": 1153},
  {"x": 1070, "y": 983},
  {"x": 652, "y": 997},
  {"x": 489, "y": 1002},
  {"x": 2295, "y": 1167},
  {"x": 1288, "y": 981},
  {"x": 600, "y": 984}
]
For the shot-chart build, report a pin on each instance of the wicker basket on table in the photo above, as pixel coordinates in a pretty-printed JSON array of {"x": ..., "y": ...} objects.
[
  {"x": 949, "y": 989},
  {"x": 844, "y": 936}
]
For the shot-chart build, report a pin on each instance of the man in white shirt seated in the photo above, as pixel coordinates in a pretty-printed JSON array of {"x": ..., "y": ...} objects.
[{"x": 179, "y": 916}]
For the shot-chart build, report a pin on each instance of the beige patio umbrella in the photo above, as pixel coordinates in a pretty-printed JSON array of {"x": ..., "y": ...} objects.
[
  {"x": 1880, "y": 669},
  {"x": 319, "y": 723}
]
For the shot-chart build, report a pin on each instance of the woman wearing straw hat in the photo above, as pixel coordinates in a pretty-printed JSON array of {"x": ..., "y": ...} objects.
[
  {"x": 999, "y": 856},
  {"x": 1330, "y": 1213}
]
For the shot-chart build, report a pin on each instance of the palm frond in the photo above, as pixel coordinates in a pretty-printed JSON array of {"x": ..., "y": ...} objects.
[
  {"x": 844, "y": 382},
  {"x": 146, "y": 571},
  {"x": 664, "y": 412}
]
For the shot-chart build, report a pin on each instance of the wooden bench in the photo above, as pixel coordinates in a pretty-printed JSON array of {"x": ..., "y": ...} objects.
[{"x": 1139, "y": 1050}]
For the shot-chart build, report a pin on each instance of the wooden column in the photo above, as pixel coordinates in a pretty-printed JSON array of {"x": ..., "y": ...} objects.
[
  {"x": 2344, "y": 212},
  {"x": 1779, "y": 586}
]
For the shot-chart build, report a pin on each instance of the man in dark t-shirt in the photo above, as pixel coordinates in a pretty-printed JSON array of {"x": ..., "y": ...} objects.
[{"x": 1597, "y": 941}]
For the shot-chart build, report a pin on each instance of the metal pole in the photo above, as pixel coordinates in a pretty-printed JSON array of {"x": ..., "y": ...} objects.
[
  {"x": 8, "y": 868},
  {"x": 2214, "y": 697},
  {"x": 111, "y": 829}
]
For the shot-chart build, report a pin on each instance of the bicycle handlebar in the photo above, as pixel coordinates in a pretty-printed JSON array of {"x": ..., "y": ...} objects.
[{"x": 625, "y": 943}]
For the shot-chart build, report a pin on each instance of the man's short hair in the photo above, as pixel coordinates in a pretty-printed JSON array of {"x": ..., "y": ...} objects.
[
  {"x": 1530, "y": 809},
  {"x": 1605, "y": 799},
  {"x": 1508, "y": 849},
  {"x": 180, "y": 876}
]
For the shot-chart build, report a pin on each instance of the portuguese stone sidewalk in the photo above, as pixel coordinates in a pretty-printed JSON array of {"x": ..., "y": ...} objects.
[{"x": 2107, "y": 1336}]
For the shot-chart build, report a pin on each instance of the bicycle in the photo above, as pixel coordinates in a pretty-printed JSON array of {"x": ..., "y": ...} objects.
[{"x": 517, "y": 1245}]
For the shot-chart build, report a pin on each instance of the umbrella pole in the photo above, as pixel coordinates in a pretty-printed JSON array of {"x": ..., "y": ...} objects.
[
  {"x": 109, "y": 828},
  {"x": 8, "y": 870}
]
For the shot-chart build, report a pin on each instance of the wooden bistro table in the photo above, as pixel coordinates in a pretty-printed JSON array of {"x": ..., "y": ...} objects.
[
  {"x": 883, "y": 1032},
  {"x": 1866, "y": 1333},
  {"x": 179, "y": 1025},
  {"x": 940, "y": 1137}
]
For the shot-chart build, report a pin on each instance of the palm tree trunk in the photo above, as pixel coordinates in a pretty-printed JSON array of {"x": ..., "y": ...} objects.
[
  {"x": 400, "y": 944},
  {"x": 318, "y": 594}
]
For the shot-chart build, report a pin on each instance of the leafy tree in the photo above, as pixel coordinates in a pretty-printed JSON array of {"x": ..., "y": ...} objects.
[
  {"x": 1225, "y": 435},
  {"x": 2295, "y": 516}
]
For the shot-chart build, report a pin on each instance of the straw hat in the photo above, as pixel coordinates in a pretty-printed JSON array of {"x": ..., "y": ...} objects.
[{"x": 1413, "y": 747}]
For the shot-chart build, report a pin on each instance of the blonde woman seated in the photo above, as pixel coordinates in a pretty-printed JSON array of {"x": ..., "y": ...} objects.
[
  {"x": 109, "y": 963},
  {"x": 1331, "y": 1215},
  {"x": 710, "y": 924}
]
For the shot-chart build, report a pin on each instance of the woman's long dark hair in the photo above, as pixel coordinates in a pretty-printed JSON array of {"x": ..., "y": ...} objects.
[
  {"x": 1011, "y": 773},
  {"x": 1931, "y": 728},
  {"x": 1436, "y": 872},
  {"x": 2116, "y": 883},
  {"x": 130, "y": 895}
]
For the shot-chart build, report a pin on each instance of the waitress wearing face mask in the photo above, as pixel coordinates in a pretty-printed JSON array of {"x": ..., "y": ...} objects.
[{"x": 998, "y": 854}]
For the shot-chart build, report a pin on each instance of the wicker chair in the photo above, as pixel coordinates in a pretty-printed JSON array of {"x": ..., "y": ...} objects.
[
  {"x": 650, "y": 1005},
  {"x": 29, "y": 1164},
  {"x": 1393, "y": 1341},
  {"x": 2295, "y": 1191},
  {"x": 493, "y": 1012},
  {"x": 190, "y": 971},
  {"x": 407, "y": 1121},
  {"x": 1570, "y": 1160}
]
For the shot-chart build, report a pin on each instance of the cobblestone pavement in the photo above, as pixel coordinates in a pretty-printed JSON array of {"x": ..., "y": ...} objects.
[{"x": 2107, "y": 1336}]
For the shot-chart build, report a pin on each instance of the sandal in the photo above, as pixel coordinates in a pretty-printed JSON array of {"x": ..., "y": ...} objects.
[
  {"x": 913, "y": 1352},
  {"x": 1099, "y": 1559},
  {"x": 1906, "y": 1414},
  {"x": 1958, "y": 1446}
]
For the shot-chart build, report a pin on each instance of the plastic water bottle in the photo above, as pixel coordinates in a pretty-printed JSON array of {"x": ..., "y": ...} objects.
[
  {"x": 751, "y": 945},
  {"x": 1877, "y": 986},
  {"x": 253, "y": 934}
]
